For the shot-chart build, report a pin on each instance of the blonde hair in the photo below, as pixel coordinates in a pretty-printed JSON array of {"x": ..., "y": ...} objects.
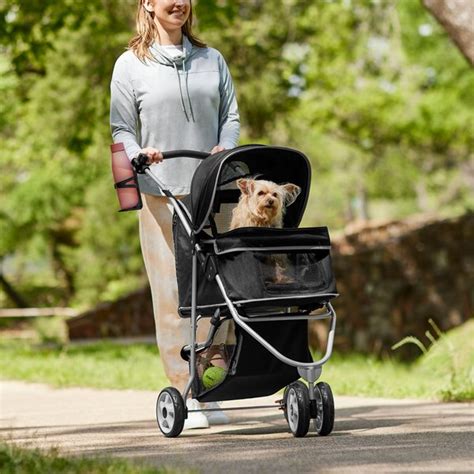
[{"x": 147, "y": 32}]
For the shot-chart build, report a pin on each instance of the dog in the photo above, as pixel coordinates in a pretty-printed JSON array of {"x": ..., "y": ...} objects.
[{"x": 263, "y": 204}]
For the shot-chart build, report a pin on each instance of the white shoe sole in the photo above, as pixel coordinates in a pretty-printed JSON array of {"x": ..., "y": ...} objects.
[
  {"x": 217, "y": 418},
  {"x": 196, "y": 421}
]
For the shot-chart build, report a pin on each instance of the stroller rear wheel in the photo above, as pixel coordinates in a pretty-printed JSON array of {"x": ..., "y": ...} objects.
[
  {"x": 297, "y": 412},
  {"x": 324, "y": 421},
  {"x": 170, "y": 412}
]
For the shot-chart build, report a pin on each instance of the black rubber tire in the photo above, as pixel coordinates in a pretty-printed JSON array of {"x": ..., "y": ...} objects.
[
  {"x": 325, "y": 409},
  {"x": 297, "y": 410},
  {"x": 285, "y": 397},
  {"x": 170, "y": 412}
]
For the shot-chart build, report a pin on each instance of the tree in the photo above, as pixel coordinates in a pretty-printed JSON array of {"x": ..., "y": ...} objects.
[
  {"x": 55, "y": 133},
  {"x": 361, "y": 86},
  {"x": 457, "y": 17}
]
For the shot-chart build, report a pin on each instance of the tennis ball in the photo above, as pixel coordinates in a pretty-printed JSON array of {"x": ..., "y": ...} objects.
[{"x": 213, "y": 376}]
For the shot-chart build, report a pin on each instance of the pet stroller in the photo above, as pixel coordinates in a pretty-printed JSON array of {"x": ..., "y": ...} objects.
[{"x": 258, "y": 337}]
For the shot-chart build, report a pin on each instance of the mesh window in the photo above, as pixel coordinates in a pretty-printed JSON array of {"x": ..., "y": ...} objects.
[
  {"x": 291, "y": 272},
  {"x": 250, "y": 275}
]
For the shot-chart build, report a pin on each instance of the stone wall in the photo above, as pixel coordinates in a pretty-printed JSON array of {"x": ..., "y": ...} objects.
[
  {"x": 392, "y": 278},
  {"x": 129, "y": 316}
]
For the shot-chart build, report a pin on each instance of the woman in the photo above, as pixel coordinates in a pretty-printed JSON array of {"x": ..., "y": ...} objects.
[{"x": 170, "y": 91}]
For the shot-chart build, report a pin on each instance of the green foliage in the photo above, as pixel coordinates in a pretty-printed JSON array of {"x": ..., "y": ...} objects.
[
  {"x": 373, "y": 91},
  {"x": 449, "y": 360},
  {"x": 51, "y": 330},
  {"x": 16, "y": 460},
  {"x": 256, "y": 42},
  {"x": 58, "y": 155}
]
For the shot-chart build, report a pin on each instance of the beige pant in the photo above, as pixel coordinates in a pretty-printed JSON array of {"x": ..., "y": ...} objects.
[{"x": 172, "y": 332}]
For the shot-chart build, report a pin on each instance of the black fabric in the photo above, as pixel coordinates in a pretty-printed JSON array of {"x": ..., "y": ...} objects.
[
  {"x": 253, "y": 275},
  {"x": 278, "y": 164},
  {"x": 250, "y": 275},
  {"x": 270, "y": 237},
  {"x": 254, "y": 371},
  {"x": 207, "y": 292}
]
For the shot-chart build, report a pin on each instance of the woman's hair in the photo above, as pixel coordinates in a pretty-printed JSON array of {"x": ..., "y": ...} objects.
[{"x": 147, "y": 32}]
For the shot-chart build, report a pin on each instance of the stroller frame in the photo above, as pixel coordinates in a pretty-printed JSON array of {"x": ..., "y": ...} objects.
[{"x": 309, "y": 371}]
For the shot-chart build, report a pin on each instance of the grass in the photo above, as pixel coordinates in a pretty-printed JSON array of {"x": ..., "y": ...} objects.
[
  {"x": 362, "y": 375},
  {"x": 101, "y": 365},
  {"x": 445, "y": 372},
  {"x": 450, "y": 359},
  {"x": 16, "y": 460}
]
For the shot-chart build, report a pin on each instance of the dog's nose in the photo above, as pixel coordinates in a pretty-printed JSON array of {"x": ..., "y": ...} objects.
[{"x": 270, "y": 202}]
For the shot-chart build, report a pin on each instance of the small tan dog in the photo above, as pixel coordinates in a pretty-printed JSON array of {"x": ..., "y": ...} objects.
[{"x": 262, "y": 204}]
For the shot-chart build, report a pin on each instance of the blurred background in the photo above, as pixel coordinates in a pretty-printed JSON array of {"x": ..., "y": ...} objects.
[{"x": 379, "y": 94}]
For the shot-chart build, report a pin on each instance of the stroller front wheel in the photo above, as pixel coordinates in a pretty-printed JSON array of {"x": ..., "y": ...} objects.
[
  {"x": 324, "y": 422},
  {"x": 297, "y": 410},
  {"x": 170, "y": 412}
]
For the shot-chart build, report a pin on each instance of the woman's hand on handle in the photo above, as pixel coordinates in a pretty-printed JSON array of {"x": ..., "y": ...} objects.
[
  {"x": 217, "y": 149},
  {"x": 154, "y": 155}
]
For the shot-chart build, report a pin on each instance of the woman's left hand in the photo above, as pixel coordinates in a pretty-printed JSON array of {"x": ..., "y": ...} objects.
[{"x": 217, "y": 149}]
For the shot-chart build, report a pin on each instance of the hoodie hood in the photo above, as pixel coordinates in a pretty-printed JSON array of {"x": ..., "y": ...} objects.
[{"x": 162, "y": 56}]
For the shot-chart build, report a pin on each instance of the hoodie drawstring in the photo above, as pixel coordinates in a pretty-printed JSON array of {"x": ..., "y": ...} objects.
[
  {"x": 162, "y": 57},
  {"x": 181, "y": 92},
  {"x": 187, "y": 89}
]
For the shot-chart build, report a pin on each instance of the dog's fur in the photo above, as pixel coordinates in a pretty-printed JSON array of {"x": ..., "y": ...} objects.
[{"x": 262, "y": 203}]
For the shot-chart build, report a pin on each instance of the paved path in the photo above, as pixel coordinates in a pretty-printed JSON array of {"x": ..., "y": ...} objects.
[{"x": 371, "y": 435}]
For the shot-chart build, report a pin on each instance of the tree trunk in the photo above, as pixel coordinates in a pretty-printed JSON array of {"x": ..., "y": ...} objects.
[{"x": 457, "y": 18}]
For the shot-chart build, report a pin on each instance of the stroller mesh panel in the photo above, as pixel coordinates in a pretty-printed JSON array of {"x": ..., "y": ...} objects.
[
  {"x": 253, "y": 275},
  {"x": 291, "y": 272}
]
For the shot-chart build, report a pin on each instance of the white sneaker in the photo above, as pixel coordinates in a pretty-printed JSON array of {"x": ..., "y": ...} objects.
[
  {"x": 197, "y": 419},
  {"x": 216, "y": 417}
]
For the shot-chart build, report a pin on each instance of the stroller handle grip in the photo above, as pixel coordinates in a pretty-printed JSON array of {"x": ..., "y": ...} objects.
[
  {"x": 141, "y": 161},
  {"x": 200, "y": 155}
]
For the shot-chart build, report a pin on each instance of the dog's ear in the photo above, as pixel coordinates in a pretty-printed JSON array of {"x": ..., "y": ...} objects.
[
  {"x": 246, "y": 185},
  {"x": 291, "y": 193}
]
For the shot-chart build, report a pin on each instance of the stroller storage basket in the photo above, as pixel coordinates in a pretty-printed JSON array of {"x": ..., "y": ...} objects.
[
  {"x": 253, "y": 371},
  {"x": 261, "y": 267}
]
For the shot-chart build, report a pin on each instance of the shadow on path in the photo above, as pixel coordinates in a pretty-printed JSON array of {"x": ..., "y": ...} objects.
[{"x": 416, "y": 436}]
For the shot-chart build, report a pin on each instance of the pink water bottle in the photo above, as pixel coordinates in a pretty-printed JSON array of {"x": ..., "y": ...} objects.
[{"x": 125, "y": 178}]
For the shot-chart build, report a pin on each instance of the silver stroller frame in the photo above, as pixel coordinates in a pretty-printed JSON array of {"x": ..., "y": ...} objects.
[{"x": 309, "y": 371}]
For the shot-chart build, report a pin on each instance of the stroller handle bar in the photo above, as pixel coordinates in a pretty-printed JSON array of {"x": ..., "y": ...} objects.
[
  {"x": 200, "y": 155},
  {"x": 140, "y": 163}
]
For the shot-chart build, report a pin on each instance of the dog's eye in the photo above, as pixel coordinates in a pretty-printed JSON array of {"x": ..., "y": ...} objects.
[
  {"x": 260, "y": 193},
  {"x": 274, "y": 195}
]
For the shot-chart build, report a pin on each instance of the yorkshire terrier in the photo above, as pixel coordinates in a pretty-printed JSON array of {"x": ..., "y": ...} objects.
[{"x": 262, "y": 204}]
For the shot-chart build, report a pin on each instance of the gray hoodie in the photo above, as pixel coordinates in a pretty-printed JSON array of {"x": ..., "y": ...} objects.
[{"x": 183, "y": 102}]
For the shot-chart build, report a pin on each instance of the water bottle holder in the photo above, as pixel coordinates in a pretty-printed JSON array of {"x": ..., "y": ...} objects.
[{"x": 131, "y": 182}]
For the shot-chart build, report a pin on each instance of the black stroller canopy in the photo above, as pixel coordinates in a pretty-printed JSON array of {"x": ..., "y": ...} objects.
[{"x": 278, "y": 164}]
